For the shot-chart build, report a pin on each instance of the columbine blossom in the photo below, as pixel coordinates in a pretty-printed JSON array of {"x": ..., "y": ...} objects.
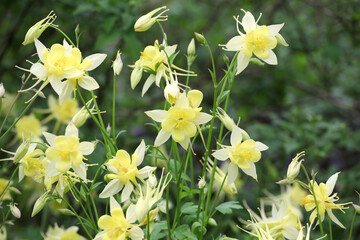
[
  {"x": 257, "y": 40},
  {"x": 62, "y": 112},
  {"x": 38, "y": 28},
  {"x": 29, "y": 128},
  {"x": 242, "y": 155},
  {"x": 124, "y": 172},
  {"x": 65, "y": 62},
  {"x": 66, "y": 151},
  {"x": 181, "y": 120},
  {"x": 325, "y": 201},
  {"x": 146, "y": 21},
  {"x": 60, "y": 233}
]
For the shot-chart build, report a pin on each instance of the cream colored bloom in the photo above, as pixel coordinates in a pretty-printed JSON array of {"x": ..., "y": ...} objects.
[
  {"x": 33, "y": 163},
  {"x": 65, "y": 62},
  {"x": 325, "y": 201},
  {"x": 39, "y": 27},
  {"x": 181, "y": 120},
  {"x": 124, "y": 172},
  {"x": 60, "y": 233},
  {"x": 29, "y": 127},
  {"x": 63, "y": 112},
  {"x": 146, "y": 21},
  {"x": 66, "y": 151},
  {"x": 242, "y": 155},
  {"x": 257, "y": 40},
  {"x": 118, "y": 227}
]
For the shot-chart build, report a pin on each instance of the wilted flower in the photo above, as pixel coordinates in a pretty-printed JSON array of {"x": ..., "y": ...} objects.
[
  {"x": 39, "y": 27},
  {"x": 117, "y": 64},
  {"x": 146, "y": 21},
  {"x": 60, "y": 233},
  {"x": 181, "y": 120},
  {"x": 257, "y": 40},
  {"x": 123, "y": 172},
  {"x": 325, "y": 201},
  {"x": 67, "y": 152},
  {"x": 243, "y": 155}
]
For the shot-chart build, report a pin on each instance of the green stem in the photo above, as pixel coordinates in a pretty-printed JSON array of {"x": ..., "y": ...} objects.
[
  {"x": 212, "y": 209},
  {"x": 352, "y": 225},
  {"x": 8, "y": 183},
  {"x": 64, "y": 34},
  {"x": 316, "y": 203},
  {"x": 330, "y": 229},
  {"x": 113, "y": 110},
  {"x": 163, "y": 32}
]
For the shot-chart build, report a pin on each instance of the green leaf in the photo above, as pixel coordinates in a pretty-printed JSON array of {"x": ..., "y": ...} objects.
[
  {"x": 188, "y": 208},
  {"x": 157, "y": 232},
  {"x": 182, "y": 232},
  {"x": 226, "y": 207},
  {"x": 223, "y": 96},
  {"x": 196, "y": 228}
]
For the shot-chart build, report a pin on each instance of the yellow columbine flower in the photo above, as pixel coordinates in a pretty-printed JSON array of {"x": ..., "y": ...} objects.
[
  {"x": 65, "y": 61},
  {"x": 60, "y": 233},
  {"x": 39, "y": 27},
  {"x": 146, "y": 21},
  {"x": 28, "y": 127},
  {"x": 66, "y": 151},
  {"x": 63, "y": 112},
  {"x": 325, "y": 201},
  {"x": 257, "y": 40},
  {"x": 181, "y": 120},
  {"x": 242, "y": 155},
  {"x": 124, "y": 171},
  {"x": 3, "y": 183},
  {"x": 118, "y": 227},
  {"x": 32, "y": 164}
]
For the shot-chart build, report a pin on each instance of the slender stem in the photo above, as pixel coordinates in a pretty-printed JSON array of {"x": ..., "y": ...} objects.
[
  {"x": 314, "y": 195},
  {"x": 212, "y": 212},
  {"x": 113, "y": 110},
  {"x": 8, "y": 183},
  {"x": 330, "y": 229},
  {"x": 163, "y": 32},
  {"x": 64, "y": 34},
  {"x": 352, "y": 225}
]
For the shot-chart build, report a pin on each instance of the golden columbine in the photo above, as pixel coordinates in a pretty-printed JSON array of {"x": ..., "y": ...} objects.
[
  {"x": 146, "y": 21},
  {"x": 65, "y": 62},
  {"x": 242, "y": 155},
  {"x": 181, "y": 120},
  {"x": 257, "y": 40},
  {"x": 124, "y": 171},
  {"x": 325, "y": 201},
  {"x": 66, "y": 151},
  {"x": 118, "y": 227},
  {"x": 39, "y": 27}
]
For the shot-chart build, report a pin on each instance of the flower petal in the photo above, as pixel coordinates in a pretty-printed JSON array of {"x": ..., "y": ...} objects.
[
  {"x": 161, "y": 138},
  {"x": 56, "y": 84},
  {"x": 136, "y": 233},
  {"x": 272, "y": 59},
  {"x": 113, "y": 187},
  {"x": 248, "y": 22},
  {"x": 334, "y": 219},
  {"x": 113, "y": 203},
  {"x": 221, "y": 154},
  {"x": 232, "y": 173},
  {"x": 202, "y": 118},
  {"x": 39, "y": 48},
  {"x": 236, "y": 136},
  {"x": 71, "y": 130},
  {"x": 242, "y": 62},
  {"x": 251, "y": 171},
  {"x": 126, "y": 192},
  {"x": 157, "y": 115},
  {"x": 140, "y": 151},
  {"x": 96, "y": 59},
  {"x": 145, "y": 172},
  {"x": 88, "y": 83},
  {"x": 235, "y": 43},
  {"x": 330, "y": 183},
  {"x": 86, "y": 148},
  {"x": 260, "y": 146},
  {"x": 66, "y": 92},
  {"x": 49, "y": 138},
  {"x": 185, "y": 144},
  {"x": 149, "y": 81},
  {"x": 80, "y": 170},
  {"x": 39, "y": 71},
  {"x": 275, "y": 28}
]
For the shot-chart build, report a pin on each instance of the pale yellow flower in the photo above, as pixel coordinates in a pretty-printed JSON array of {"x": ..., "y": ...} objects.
[
  {"x": 33, "y": 163},
  {"x": 60, "y": 233},
  {"x": 39, "y": 27},
  {"x": 242, "y": 155},
  {"x": 124, "y": 172},
  {"x": 63, "y": 112},
  {"x": 66, "y": 151},
  {"x": 181, "y": 120},
  {"x": 325, "y": 201},
  {"x": 118, "y": 227},
  {"x": 257, "y": 40},
  {"x": 29, "y": 127}
]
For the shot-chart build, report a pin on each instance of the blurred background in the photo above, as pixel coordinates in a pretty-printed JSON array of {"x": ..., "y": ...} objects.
[{"x": 310, "y": 101}]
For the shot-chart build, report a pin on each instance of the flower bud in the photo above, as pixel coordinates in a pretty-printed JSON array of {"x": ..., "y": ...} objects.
[
  {"x": 15, "y": 210},
  {"x": 201, "y": 183},
  {"x": 357, "y": 208},
  {"x": 117, "y": 64},
  {"x": 225, "y": 119},
  {"x": 152, "y": 180},
  {"x": 172, "y": 92},
  {"x": 39, "y": 27},
  {"x": 212, "y": 222},
  {"x": 294, "y": 167},
  {"x": 146, "y": 21},
  {"x": 80, "y": 117},
  {"x": 201, "y": 39},
  {"x": 136, "y": 76},
  {"x": 191, "y": 48},
  {"x": 281, "y": 40},
  {"x": 21, "y": 151},
  {"x": 39, "y": 204},
  {"x": 2, "y": 90}
]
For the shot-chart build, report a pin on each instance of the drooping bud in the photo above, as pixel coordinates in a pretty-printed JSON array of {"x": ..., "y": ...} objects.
[
  {"x": 117, "y": 64},
  {"x": 172, "y": 92},
  {"x": 136, "y": 76},
  {"x": 294, "y": 166},
  {"x": 200, "y": 38},
  {"x": 21, "y": 151},
  {"x": 39, "y": 27},
  {"x": 191, "y": 48},
  {"x": 146, "y": 21},
  {"x": 225, "y": 119},
  {"x": 15, "y": 210},
  {"x": 201, "y": 183},
  {"x": 39, "y": 204}
]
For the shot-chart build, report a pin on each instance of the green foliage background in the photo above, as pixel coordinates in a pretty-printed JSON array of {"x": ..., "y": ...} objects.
[{"x": 310, "y": 101}]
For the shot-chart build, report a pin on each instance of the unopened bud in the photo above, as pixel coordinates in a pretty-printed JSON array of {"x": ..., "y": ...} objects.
[
  {"x": 15, "y": 210},
  {"x": 39, "y": 27},
  {"x": 201, "y": 39},
  {"x": 2, "y": 90},
  {"x": 80, "y": 117},
  {"x": 117, "y": 64},
  {"x": 281, "y": 40},
  {"x": 152, "y": 180},
  {"x": 191, "y": 48},
  {"x": 39, "y": 204},
  {"x": 201, "y": 183},
  {"x": 136, "y": 76},
  {"x": 212, "y": 222},
  {"x": 21, "y": 151},
  {"x": 357, "y": 208},
  {"x": 225, "y": 119},
  {"x": 172, "y": 92},
  {"x": 146, "y": 21},
  {"x": 294, "y": 166}
]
